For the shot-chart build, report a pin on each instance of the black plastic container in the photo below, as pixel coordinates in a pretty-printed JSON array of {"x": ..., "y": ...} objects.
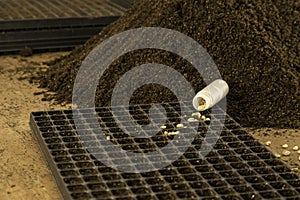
[{"x": 238, "y": 167}]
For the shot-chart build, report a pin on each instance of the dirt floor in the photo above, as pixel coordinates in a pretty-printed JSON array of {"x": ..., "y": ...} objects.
[{"x": 23, "y": 172}]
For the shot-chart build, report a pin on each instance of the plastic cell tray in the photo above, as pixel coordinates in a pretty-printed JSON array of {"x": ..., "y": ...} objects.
[
  {"x": 52, "y": 24},
  {"x": 238, "y": 166}
]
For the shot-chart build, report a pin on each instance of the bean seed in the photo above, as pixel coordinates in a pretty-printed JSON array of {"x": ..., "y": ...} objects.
[
  {"x": 202, "y": 104},
  {"x": 286, "y": 153},
  {"x": 268, "y": 143},
  {"x": 192, "y": 120},
  {"x": 277, "y": 155},
  {"x": 295, "y": 148},
  {"x": 179, "y": 126},
  {"x": 197, "y": 114}
]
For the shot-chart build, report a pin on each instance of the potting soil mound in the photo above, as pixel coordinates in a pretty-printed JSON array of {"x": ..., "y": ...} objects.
[{"x": 254, "y": 43}]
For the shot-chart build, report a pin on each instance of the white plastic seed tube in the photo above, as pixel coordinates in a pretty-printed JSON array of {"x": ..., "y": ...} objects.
[{"x": 210, "y": 95}]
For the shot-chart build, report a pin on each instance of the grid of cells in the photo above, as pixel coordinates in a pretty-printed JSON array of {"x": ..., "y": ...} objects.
[{"x": 237, "y": 166}]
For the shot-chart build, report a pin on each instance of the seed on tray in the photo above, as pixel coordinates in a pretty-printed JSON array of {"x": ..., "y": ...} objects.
[
  {"x": 196, "y": 114},
  {"x": 298, "y": 151},
  {"x": 175, "y": 132},
  {"x": 295, "y": 148},
  {"x": 192, "y": 120},
  {"x": 286, "y": 152},
  {"x": 163, "y": 127},
  {"x": 285, "y": 146},
  {"x": 295, "y": 169},
  {"x": 207, "y": 119},
  {"x": 277, "y": 155},
  {"x": 179, "y": 126},
  {"x": 203, "y": 117},
  {"x": 108, "y": 137},
  {"x": 171, "y": 133},
  {"x": 268, "y": 143},
  {"x": 299, "y": 158}
]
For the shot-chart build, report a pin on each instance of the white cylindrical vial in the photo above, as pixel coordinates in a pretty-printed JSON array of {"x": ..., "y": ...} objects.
[{"x": 210, "y": 95}]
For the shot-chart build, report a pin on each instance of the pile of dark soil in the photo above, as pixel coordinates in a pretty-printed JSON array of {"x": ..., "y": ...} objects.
[{"x": 255, "y": 44}]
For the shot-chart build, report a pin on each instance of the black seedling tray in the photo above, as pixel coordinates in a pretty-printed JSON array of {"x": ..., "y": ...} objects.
[
  {"x": 238, "y": 167},
  {"x": 52, "y": 25}
]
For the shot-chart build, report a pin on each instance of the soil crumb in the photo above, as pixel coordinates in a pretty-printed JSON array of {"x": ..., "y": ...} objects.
[{"x": 254, "y": 43}]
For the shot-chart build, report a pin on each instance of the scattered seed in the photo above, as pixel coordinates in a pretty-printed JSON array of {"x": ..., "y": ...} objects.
[
  {"x": 277, "y": 155},
  {"x": 171, "y": 133},
  {"x": 192, "y": 120},
  {"x": 286, "y": 152},
  {"x": 203, "y": 117},
  {"x": 207, "y": 119},
  {"x": 295, "y": 148},
  {"x": 108, "y": 137},
  {"x": 197, "y": 114},
  {"x": 268, "y": 143},
  {"x": 163, "y": 127},
  {"x": 175, "y": 132},
  {"x": 179, "y": 126},
  {"x": 298, "y": 151},
  {"x": 299, "y": 158},
  {"x": 285, "y": 146},
  {"x": 295, "y": 169}
]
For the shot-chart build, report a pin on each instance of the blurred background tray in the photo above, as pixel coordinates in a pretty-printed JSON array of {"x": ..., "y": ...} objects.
[{"x": 52, "y": 24}]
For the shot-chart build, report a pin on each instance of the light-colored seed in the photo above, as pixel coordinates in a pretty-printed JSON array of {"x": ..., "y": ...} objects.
[
  {"x": 175, "y": 133},
  {"x": 268, "y": 143},
  {"x": 203, "y": 117},
  {"x": 192, "y": 120},
  {"x": 163, "y": 127},
  {"x": 295, "y": 148},
  {"x": 285, "y": 146},
  {"x": 298, "y": 151},
  {"x": 286, "y": 152},
  {"x": 295, "y": 169},
  {"x": 171, "y": 133},
  {"x": 201, "y": 107},
  {"x": 207, "y": 119},
  {"x": 277, "y": 155},
  {"x": 108, "y": 137},
  {"x": 197, "y": 114},
  {"x": 179, "y": 126},
  {"x": 299, "y": 158},
  {"x": 202, "y": 104}
]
